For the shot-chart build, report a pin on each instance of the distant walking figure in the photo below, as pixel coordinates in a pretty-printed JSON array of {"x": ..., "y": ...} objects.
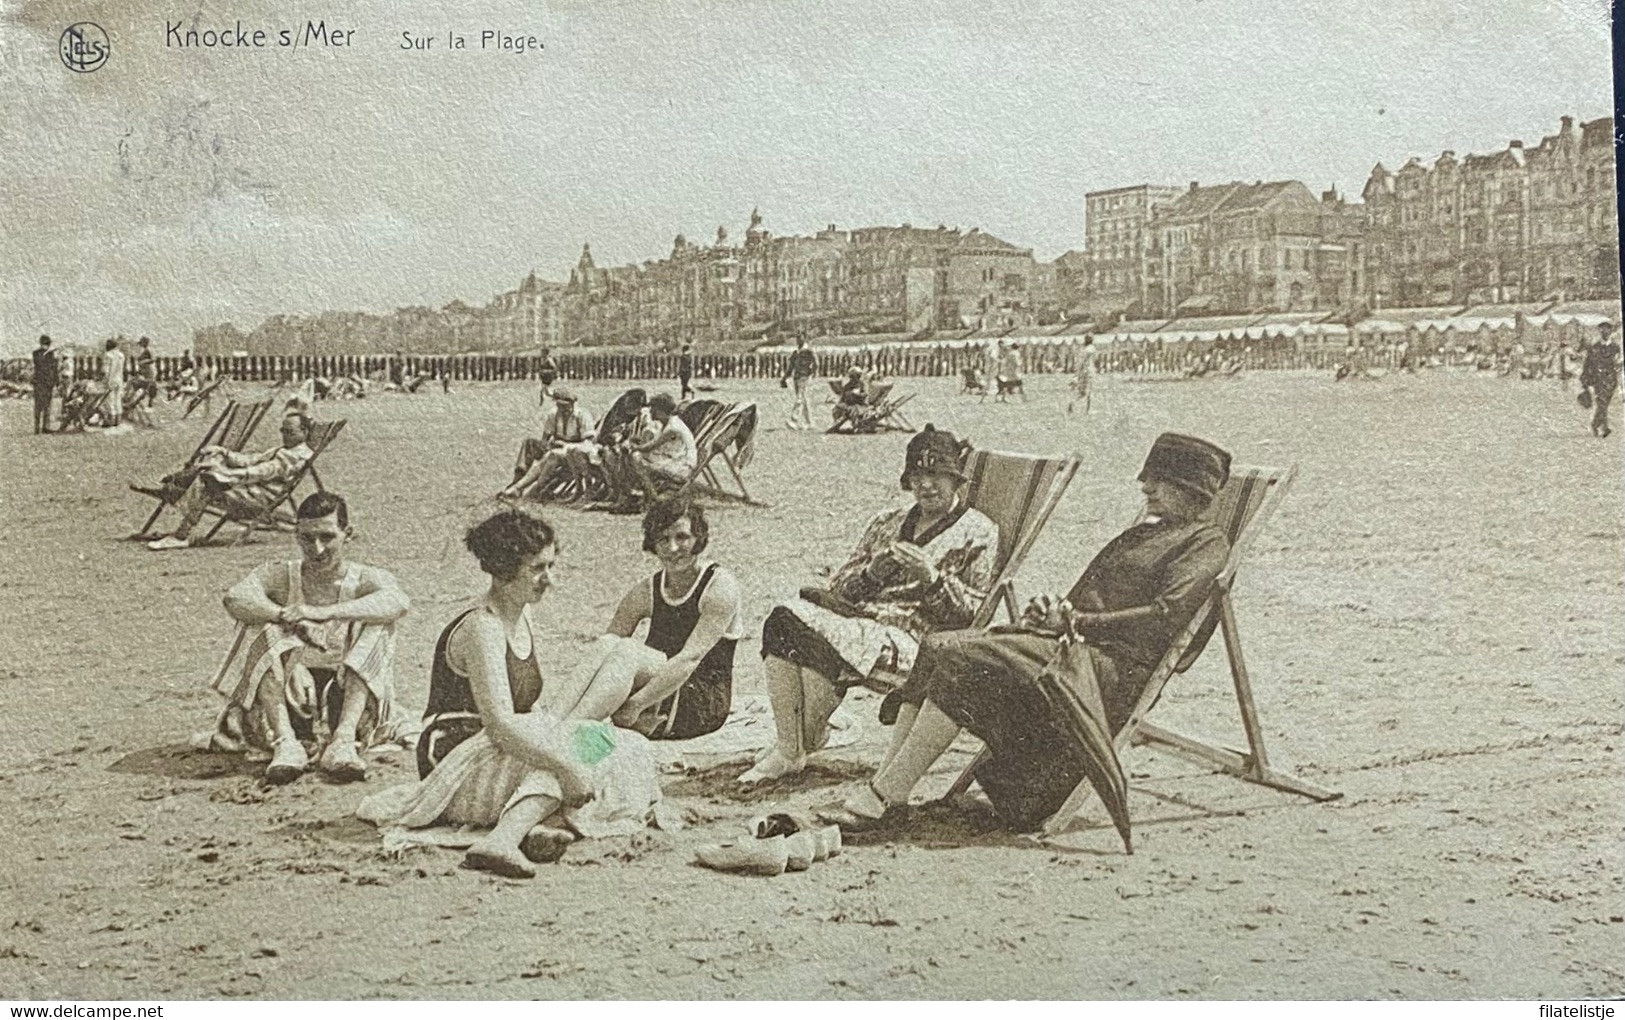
[
  {"x": 800, "y": 370},
  {"x": 547, "y": 372},
  {"x": 1083, "y": 381},
  {"x": 1599, "y": 378},
  {"x": 685, "y": 372},
  {"x": 45, "y": 380}
]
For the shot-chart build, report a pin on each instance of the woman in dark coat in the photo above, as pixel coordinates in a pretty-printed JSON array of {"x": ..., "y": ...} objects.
[{"x": 1128, "y": 605}]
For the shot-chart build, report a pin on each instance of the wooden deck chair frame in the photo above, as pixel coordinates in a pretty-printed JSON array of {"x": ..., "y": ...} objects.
[
  {"x": 716, "y": 434},
  {"x": 203, "y": 396},
  {"x": 1019, "y": 493},
  {"x": 1248, "y": 501},
  {"x": 273, "y": 516},
  {"x": 93, "y": 403},
  {"x": 721, "y": 435},
  {"x": 230, "y": 431}
]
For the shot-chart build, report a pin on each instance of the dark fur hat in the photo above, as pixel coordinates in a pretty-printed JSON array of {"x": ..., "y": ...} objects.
[
  {"x": 1194, "y": 465},
  {"x": 937, "y": 451}
]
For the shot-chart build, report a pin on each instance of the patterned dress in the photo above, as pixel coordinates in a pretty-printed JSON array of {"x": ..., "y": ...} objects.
[{"x": 870, "y": 616}]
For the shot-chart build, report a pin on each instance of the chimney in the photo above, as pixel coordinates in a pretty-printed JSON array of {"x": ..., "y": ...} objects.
[
  {"x": 1516, "y": 143},
  {"x": 1193, "y": 185},
  {"x": 1568, "y": 124}
]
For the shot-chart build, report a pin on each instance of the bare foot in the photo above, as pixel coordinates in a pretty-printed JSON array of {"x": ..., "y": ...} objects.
[
  {"x": 774, "y": 766},
  {"x": 507, "y": 863}
]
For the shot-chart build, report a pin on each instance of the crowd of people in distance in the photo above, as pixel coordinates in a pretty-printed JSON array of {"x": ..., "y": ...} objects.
[
  {"x": 535, "y": 758},
  {"x": 643, "y": 448},
  {"x": 121, "y": 393}
]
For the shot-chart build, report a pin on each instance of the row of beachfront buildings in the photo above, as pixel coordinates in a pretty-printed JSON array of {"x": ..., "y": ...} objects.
[{"x": 1525, "y": 223}]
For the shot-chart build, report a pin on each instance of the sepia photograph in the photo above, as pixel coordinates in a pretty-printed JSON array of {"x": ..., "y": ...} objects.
[{"x": 769, "y": 500}]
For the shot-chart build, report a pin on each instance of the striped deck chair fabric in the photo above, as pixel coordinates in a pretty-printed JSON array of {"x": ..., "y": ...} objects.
[
  {"x": 230, "y": 431},
  {"x": 273, "y": 515},
  {"x": 1018, "y": 492},
  {"x": 734, "y": 426}
]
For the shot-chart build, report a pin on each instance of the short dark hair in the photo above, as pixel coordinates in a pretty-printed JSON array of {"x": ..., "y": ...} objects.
[
  {"x": 663, "y": 403},
  {"x": 323, "y": 504},
  {"x": 45, "y": 339},
  {"x": 506, "y": 539},
  {"x": 110, "y": 345},
  {"x": 663, "y": 513}
]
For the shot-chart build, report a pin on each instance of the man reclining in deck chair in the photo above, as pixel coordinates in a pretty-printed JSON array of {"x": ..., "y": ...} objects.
[
  {"x": 664, "y": 460},
  {"x": 1136, "y": 595},
  {"x": 542, "y": 460},
  {"x": 855, "y": 402},
  {"x": 314, "y": 656},
  {"x": 234, "y": 481}
]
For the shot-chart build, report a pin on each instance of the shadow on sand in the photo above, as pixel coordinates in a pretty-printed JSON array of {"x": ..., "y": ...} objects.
[{"x": 182, "y": 761}]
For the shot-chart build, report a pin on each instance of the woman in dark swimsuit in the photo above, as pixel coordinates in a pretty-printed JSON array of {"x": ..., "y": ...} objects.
[
  {"x": 501, "y": 747},
  {"x": 682, "y": 673}
]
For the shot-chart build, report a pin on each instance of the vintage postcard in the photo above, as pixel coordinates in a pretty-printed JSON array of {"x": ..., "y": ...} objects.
[{"x": 788, "y": 500}]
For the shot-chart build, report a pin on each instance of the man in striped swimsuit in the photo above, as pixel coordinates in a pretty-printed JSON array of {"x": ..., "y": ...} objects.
[{"x": 314, "y": 655}]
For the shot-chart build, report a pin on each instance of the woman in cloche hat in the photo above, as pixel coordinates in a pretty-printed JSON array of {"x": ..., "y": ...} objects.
[
  {"x": 1136, "y": 595},
  {"x": 918, "y": 569}
]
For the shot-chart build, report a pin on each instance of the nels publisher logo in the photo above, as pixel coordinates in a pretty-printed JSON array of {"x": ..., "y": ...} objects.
[{"x": 84, "y": 47}]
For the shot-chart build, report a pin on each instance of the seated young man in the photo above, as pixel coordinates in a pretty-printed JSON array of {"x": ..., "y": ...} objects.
[
  {"x": 540, "y": 460},
  {"x": 668, "y": 456},
  {"x": 235, "y": 481},
  {"x": 314, "y": 654}
]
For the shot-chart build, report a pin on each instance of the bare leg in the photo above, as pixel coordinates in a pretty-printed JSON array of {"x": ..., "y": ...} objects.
[
  {"x": 274, "y": 706},
  {"x": 786, "y": 693},
  {"x": 530, "y": 476},
  {"x": 341, "y": 759},
  {"x": 499, "y": 852},
  {"x": 603, "y": 682}
]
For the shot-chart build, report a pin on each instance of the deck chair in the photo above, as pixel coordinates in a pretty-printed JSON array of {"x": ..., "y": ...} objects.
[
  {"x": 732, "y": 425},
  {"x": 1018, "y": 492},
  {"x": 230, "y": 431},
  {"x": 1241, "y": 508},
  {"x": 731, "y": 438},
  {"x": 277, "y": 512},
  {"x": 880, "y": 412},
  {"x": 203, "y": 396}
]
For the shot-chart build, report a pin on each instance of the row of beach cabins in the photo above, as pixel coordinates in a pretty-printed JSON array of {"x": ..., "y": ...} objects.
[{"x": 1446, "y": 335}]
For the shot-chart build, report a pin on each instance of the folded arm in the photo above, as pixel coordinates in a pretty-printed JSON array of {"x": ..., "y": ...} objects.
[{"x": 379, "y": 599}]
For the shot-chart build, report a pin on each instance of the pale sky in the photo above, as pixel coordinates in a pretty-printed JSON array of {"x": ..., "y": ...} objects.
[{"x": 178, "y": 188}]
